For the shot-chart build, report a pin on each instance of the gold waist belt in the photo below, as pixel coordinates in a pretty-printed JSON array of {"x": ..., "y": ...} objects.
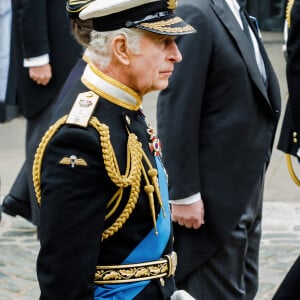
[{"x": 164, "y": 267}]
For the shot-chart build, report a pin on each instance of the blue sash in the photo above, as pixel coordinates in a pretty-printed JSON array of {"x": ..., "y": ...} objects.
[{"x": 150, "y": 248}]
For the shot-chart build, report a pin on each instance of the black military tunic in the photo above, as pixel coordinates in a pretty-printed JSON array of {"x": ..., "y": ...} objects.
[
  {"x": 289, "y": 140},
  {"x": 90, "y": 182}
]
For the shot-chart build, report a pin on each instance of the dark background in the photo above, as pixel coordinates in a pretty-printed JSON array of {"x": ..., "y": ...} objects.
[{"x": 269, "y": 13}]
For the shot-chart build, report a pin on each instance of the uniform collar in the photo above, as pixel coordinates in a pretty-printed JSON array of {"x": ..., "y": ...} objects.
[{"x": 110, "y": 89}]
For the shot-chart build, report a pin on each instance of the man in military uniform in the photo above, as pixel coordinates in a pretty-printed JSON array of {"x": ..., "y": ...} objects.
[
  {"x": 105, "y": 228},
  {"x": 289, "y": 141}
]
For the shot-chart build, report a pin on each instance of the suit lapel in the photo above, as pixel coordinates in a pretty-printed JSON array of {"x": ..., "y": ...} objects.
[{"x": 225, "y": 15}]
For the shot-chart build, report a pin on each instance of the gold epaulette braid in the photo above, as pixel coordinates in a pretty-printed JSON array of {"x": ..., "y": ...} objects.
[
  {"x": 288, "y": 12},
  {"x": 132, "y": 176},
  {"x": 134, "y": 153}
]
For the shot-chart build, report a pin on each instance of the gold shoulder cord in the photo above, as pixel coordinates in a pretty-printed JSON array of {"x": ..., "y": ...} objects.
[
  {"x": 132, "y": 177},
  {"x": 37, "y": 164},
  {"x": 288, "y": 12},
  {"x": 291, "y": 169}
]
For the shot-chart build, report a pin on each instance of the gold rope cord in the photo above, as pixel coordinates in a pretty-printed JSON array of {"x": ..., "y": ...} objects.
[
  {"x": 288, "y": 12},
  {"x": 38, "y": 158},
  {"x": 132, "y": 176},
  {"x": 134, "y": 155},
  {"x": 291, "y": 169},
  {"x": 152, "y": 173}
]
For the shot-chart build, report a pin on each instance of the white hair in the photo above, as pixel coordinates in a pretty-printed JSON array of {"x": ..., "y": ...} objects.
[{"x": 99, "y": 46}]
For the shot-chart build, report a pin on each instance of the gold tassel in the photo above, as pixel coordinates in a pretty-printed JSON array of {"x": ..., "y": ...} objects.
[
  {"x": 149, "y": 189},
  {"x": 153, "y": 174}
]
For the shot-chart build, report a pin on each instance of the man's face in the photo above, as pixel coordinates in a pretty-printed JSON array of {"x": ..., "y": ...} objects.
[{"x": 150, "y": 70}]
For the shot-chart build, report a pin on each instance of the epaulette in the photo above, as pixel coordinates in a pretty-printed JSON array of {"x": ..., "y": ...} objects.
[
  {"x": 80, "y": 114},
  {"x": 289, "y": 6},
  {"x": 83, "y": 109}
]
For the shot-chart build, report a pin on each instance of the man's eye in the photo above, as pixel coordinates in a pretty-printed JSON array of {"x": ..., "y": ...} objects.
[{"x": 167, "y": 41}]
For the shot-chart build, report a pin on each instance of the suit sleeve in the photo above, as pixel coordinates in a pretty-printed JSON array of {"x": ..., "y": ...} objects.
[
  {"x": 179, "y": 107},
  {"x": 32, "y": 26},
  {"x": 293, "y": 69},
  {"x": 72, "y": 214}
]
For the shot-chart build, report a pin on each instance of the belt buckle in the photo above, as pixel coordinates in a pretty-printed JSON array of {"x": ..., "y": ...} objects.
[{"x": 172, "y": 262}]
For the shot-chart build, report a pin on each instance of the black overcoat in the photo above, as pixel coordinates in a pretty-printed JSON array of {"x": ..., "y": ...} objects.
[{"x": 39, "y": 27}]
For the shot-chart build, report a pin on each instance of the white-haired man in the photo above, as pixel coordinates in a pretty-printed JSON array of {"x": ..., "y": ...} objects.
[{"x": 105, "y": 228}]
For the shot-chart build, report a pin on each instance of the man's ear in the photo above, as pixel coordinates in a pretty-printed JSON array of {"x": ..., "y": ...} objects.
[{"x": 120, "y": 49}]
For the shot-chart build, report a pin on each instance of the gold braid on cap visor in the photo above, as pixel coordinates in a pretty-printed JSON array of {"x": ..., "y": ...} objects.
[{"x": 165, "y": 26}]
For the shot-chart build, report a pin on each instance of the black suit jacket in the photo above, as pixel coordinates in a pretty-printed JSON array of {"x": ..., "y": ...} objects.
[
  {"x": 39, "y": 27},
  {"x": 74, "y": 203},
  {"x": 289, "y": 141},
  {"x": 216, "y": 121}
]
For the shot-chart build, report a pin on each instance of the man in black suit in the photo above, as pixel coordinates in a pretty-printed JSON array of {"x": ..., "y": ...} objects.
[
  {"x": 43, "y": 53},
  {"x": 289, "y": 141},
  {"x": 216, "y": 121}
]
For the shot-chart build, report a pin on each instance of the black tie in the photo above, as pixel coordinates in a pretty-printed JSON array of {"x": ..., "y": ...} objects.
[
  {"x": 247, "y": 33},
  {"x": 246, "y": 26}
]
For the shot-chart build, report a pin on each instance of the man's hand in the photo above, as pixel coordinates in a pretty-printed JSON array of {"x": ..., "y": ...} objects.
[
  {"x": 190, "y": 215},
  {"x": 41, "y": 74}
]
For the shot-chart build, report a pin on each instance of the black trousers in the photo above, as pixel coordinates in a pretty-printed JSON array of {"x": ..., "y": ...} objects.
[
  {"x": 289, "y": 288},
  {"x": 232, "y": 272}
]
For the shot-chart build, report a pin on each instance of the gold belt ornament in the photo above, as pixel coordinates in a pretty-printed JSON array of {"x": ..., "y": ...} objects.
[{"x": 164, "y": 267}]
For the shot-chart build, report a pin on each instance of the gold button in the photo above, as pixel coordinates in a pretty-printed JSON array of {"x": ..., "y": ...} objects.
[
  {"x": 295, "y": 140},
  {"x": 294, "y": 134}
]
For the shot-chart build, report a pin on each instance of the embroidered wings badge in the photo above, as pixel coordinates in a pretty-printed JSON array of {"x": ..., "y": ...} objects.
[{"x": 73, "y": 161}]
